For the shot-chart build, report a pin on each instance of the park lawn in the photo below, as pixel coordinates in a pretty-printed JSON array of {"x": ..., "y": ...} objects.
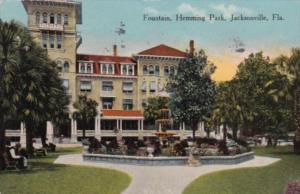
[
  {"x": 44, "y": 177},
  {"x": 262, "y": 180}
]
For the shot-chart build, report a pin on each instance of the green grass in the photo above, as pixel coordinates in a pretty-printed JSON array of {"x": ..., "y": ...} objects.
[
  {"x": 263, "y": 180},
  {"x": 44, "y": 177}
]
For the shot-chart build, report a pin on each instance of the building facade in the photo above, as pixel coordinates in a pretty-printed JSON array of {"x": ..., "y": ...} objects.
[{"x": 121, "y": 85}]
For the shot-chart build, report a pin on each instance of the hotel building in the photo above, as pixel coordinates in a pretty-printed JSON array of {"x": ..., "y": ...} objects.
[{"x": 121, "y": 85}]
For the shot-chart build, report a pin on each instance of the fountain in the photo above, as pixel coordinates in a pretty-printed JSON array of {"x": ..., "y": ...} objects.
[{"x": 164, "y": 123}]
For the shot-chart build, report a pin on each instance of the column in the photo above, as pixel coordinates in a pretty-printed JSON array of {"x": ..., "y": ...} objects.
[
  {"x": 73, "y": 131},
  {"x": 119, "y": 134},
  {"x": 50, "y": 132},
  {"x": 97, "y": 128},
  {"x": 22, "y": 134},
  {"x": 201, "y": 129},
  {"x": 140, "y": 132}
]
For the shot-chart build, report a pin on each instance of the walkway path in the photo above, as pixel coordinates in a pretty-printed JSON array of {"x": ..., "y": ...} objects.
[{"x": 162, "y": 179}]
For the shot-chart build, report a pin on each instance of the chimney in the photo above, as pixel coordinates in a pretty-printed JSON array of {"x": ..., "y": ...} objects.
[
  {"x": 192, "y": 47},
  {"x": 115, "y": 50}
]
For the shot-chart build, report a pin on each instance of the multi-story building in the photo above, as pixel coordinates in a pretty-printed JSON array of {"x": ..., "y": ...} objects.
[{"x": 121, "y": 85}]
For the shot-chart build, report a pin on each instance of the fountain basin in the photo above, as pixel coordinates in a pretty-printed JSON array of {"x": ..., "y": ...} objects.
[{"x": 167, "y": 161}]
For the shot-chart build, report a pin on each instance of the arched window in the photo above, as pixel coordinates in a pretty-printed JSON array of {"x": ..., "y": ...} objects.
[
  {"x": 145, "y": 70},
  {"x": 166, "y": 71},
  {"x": 104, "y": 68},
  {"x": 52, "y": 18},
  {"x": 58, "y": 18},
  {"x": 66, "y": 66},
  {"x": 172, "y": 70},
  {"x": 59, "y": 65},
  {"x": 151, "y": 70},
  {"x": 45, "y": 18},
  {"x": 37, "y": 17},
  {"x": 66, "y": 19},
  {"x": 156, "y": 70}
]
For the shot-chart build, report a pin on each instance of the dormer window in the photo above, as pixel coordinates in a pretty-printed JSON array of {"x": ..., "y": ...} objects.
[
  {"x": 45, "y": 18},
  {"x": 127, "y": 69},
  {"x": 52, "y": 18},
  {"x": 108, "y": 69},
  {"x": 85, "y": 68},
  {"x": 37, "y": 17}
]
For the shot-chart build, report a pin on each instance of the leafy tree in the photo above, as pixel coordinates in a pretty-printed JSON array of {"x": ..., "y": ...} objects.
[
  {"x": 9, "y": 96},
  {"x": 290, "y": 66},
  {"x": 227, "y": 109},
  {"x": 86, "y": 111},
  {"x": 192, "y": 90},
  {"x": 152, "y": 109},
  {"x": 257, "y": 81}
]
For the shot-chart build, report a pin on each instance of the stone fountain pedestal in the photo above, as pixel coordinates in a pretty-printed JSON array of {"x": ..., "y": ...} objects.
[{"x": 193, "y": 159}]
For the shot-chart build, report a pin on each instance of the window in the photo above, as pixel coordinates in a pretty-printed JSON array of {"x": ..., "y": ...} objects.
[
  {"x": 172, "y": 71},
  {"x": 151, "y": 70},
  {"x": 124, "y": 70},
  {"x": 85, "y": 86},
  {"x": 44, "y": 39},
  {"x": 58, "y": 18},
  {"x": 52, "y": 38},
  {"x": 130, "y": 69},
  {"x": 144, "y": 86},
  {"x": 66, "y": 19},
  {"x": 108, "y": 69},
  {"x": 145, "y": 70},
  {"x": 45, "y": 18},
  {"x": 66, "y": 66},
  {"x": 65, "y": 84},
  {"x": 156, "y": 70},
  {"x": 59, "y": 40},
  {"x": 127, "y": 87},
  {"x": 107, "y": 103},
  {"x": 85, "y": 68},
  {"x": 152, "y": 86},
  {"x": 127, "y": 104},
  {"x": 37, "y": 17},
  {"x": 52, "y": 18},
  {"x": 166, "y": 71},
  {"x": 107, "y": 86},
  {"x": 59, "y": 66}
]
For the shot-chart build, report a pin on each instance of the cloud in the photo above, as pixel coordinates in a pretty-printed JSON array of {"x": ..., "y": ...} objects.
[
  {"x": 151, "y": 10},
  {"x": 227, "y": 11},
  {"x": 188, "y": 8}
]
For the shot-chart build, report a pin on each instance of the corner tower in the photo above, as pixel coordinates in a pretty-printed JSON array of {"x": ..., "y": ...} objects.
[{"x": 52, "y": 24}]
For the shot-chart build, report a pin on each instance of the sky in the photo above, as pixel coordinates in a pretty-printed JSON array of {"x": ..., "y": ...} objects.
[{"x": 101, "y": 18}]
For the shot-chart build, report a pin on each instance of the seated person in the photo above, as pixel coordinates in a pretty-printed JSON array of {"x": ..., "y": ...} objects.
[
  {"x": 38, "y": 149},
  {"x": 50, "y": 146},
  {"x": 21, "y": 160}
]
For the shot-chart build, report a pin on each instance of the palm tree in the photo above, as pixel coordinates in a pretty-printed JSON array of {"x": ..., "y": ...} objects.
[
  {"x": 86, "y": 111},
  {"x": 291, "y": 67},
  {"x": 9, "y": 96}
]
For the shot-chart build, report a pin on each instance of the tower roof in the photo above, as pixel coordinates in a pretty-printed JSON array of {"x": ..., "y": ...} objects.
[{"x": 163, "y": 50}]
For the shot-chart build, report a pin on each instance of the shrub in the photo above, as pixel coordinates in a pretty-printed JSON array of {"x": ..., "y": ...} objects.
[
  {"x": 205, "y": 140},
  {"x": 223, "y": 149}
]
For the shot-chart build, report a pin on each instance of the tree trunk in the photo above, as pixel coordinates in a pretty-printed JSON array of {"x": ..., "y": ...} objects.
[
  {"x": 29, "y": 136},
  {"x": 195, "y": 126},
  {"x": 297, "y": 121},
  {"x": 225, "y": 132},
  {"x": 234, "y": 132}
]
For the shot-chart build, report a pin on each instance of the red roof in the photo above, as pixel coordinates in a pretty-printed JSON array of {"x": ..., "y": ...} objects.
[
  {"x": 163, "y": 50},
  {"x": 121, "y": 113},
  {"x": 106, "y": 58}
]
